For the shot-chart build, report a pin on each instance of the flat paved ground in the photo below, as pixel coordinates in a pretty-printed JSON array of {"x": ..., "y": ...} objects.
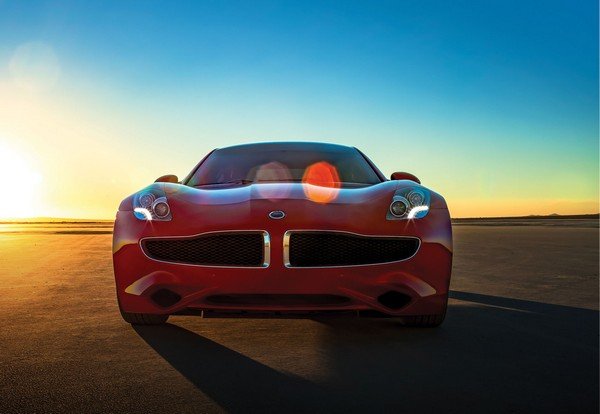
[{"x": 521, "y": 335}]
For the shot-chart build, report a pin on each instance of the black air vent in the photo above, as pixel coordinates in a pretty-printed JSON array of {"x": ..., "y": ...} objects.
[
  {"x": 322, "y": 249},
  {"x": 394, "y": 300},
  {"x": 165, "y": 298},
  {"x": 212, "y": 249},
  {"x": 290, "y": 300}
]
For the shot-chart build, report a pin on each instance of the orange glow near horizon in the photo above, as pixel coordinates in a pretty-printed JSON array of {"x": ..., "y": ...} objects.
[{"x": 321, "y": 182}]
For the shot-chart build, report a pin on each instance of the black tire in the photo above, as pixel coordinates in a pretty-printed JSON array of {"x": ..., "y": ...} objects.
[
  {"x": 143, "y": 318},
  {"x": 424, "y": 321}
]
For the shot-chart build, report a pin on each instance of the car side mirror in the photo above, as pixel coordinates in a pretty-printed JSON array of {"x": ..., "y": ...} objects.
[
  {"x": 169, "y": 178},
  {"x": 405, "y": 176}
]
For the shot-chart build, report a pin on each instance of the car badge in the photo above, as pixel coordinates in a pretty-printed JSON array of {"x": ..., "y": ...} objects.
[{"x": 276, "y": 215}]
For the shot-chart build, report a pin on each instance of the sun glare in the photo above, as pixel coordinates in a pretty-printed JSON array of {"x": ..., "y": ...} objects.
[
  {"x": 321, "y": 182},
  {"x": 20, "y": 185}
]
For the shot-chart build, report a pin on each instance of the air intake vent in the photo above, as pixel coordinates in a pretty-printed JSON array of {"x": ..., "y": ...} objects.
[
  {"x": 323, "y": 249},
  {"x": 243, "y": 249},
  {"x": 394, "y": 300},
  {"x": 290, "y": 300},
  {"x": 165, "y": 298}
]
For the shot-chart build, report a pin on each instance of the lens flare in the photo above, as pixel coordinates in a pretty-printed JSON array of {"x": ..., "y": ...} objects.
[
  {"x": 321, "y": 182},
  {"x": 272, "y": 172},
  {"x": 34, "y": 67},
  {"x": 416, "y": 210},
  {"x": 143, "y": 213}
]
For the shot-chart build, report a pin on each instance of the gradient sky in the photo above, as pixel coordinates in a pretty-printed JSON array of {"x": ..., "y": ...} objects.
[{"x": 494, "y": 104}]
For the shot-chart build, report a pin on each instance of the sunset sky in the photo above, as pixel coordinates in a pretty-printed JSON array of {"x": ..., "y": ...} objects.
[{"x": 493, "y": 104}]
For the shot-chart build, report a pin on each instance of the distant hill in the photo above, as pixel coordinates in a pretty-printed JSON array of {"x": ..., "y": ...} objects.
[
  {"x": 56, "y": 220},
  {"x": 555, "y": 220},
  {"x": 553, "y": 216}
]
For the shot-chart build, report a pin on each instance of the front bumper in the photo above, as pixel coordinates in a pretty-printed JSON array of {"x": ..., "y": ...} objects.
[{"x": 423, "y": 279}]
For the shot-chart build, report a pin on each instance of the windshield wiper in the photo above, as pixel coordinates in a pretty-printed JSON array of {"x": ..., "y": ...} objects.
[{"x": 243, "y": 182}]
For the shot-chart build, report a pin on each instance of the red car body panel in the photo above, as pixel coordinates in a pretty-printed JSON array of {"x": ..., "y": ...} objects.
[{"x": 423, "y": 277}]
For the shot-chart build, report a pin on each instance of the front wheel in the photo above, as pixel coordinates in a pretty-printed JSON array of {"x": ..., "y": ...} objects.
[
  {"x": 424, "y": 321},
  {"x": 143, "y": 318}
]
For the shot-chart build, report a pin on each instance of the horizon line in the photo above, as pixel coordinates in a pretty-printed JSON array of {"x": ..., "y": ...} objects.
[{"x": 33, "y": 220}]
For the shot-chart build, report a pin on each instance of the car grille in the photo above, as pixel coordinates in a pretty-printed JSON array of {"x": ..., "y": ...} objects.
[
  {"x": 244, "y": 249},
  {"x": 323, "y": 249}
]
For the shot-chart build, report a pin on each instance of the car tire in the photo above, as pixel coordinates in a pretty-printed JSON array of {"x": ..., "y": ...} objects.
[
  {"x": 423, "y": 321},
  {"x": 144, "y": 318}
]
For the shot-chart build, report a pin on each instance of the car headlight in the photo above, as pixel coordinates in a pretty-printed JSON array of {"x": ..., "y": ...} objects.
[
  {"x": 409, "y": 203},
  {"x": 151, "y": 205}
]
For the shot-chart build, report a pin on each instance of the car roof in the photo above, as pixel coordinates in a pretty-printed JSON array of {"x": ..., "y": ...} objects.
[{"x": 287, "y": 146}]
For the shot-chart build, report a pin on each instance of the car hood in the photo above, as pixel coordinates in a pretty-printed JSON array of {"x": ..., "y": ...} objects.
[
  {"x": 359, "y": 210},
  {"x": 282, "y": 195},
  {"x": 273, "y": 192}
]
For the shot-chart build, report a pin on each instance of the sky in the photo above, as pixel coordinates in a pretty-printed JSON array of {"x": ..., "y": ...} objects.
[{"x": 493, "y": 104}]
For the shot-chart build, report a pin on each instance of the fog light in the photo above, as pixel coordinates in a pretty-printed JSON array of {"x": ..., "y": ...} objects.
[{"x": 398, "y": 207}]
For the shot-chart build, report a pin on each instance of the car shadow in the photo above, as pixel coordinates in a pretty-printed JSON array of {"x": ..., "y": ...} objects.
[
  {"x": 492, "y": 354},
  {"x": 237, "y": 383}
]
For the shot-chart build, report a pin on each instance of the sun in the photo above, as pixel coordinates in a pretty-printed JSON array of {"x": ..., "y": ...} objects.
[{"x": 20, "y": 185}]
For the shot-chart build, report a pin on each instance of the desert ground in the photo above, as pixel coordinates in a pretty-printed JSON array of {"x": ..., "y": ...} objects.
[{"x": 521, "y": 335}]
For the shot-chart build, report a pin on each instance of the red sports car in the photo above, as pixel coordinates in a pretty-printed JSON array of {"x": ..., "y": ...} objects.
[{"x": 283, "y": 228}]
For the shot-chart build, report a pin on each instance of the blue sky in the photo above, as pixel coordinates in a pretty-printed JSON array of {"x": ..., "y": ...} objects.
[{"x": 492, "y": 103}]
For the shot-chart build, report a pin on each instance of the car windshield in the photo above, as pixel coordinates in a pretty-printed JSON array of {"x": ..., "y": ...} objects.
[{"x": 331, "y": 165}]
